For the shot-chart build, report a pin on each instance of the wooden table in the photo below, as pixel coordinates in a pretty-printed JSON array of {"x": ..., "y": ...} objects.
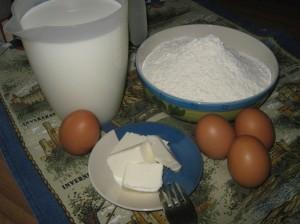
[{"x": 13, "y": 206}]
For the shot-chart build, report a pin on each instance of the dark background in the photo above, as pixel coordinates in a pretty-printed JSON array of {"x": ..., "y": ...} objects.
[{"x": 281, "y": 15}]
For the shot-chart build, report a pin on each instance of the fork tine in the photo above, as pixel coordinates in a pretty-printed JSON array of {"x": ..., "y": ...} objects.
[
  {"x": 176, "y": 194},
  {"x": 169, "y": 195},
  {"x": 173, "y": 194},
  {"x": 181, "y": 195},
  {"x": 164, "y": 198}
]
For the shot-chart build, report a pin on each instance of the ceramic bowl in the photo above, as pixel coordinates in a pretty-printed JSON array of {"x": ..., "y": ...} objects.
[{"x": 191, "y": 110}]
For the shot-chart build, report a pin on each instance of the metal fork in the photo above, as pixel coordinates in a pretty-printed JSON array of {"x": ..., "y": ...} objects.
[{"x": 177, "y": 206}]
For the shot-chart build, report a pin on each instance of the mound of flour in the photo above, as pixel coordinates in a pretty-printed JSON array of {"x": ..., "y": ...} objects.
[{"x": 203, "y": 70}]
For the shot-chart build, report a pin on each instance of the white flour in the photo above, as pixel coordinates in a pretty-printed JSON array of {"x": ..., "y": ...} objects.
[{"x": 204, "y": 70}]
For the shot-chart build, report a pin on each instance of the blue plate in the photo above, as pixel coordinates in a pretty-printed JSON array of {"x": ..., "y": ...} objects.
[{"x": 183, "y": 147}]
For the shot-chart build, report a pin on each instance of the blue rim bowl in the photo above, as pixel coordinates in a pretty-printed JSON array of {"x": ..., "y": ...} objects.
[{"x": 189, "y": 110}]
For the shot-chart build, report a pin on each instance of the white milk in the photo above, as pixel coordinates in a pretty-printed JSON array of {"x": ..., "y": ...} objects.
[
  {"x": 68, "y": 12},
  {"x": 87, "y": 74}
]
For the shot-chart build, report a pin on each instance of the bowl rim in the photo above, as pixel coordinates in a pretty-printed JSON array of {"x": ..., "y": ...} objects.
[{"x": 204, "y": 106}]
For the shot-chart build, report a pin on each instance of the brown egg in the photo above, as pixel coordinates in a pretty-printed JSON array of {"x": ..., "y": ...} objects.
[
  {"x": 248, "y": 161},
  {"x": 254, "y": 122},
  {"x": 214, "y": 136},
  {"x": 79, "y": 132}
]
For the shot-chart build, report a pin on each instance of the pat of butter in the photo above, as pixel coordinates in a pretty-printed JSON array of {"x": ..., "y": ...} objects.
[
  {"x": 145, "y": 177},
  {"x": 118, "y": 161},
  {"x": 137, "y": 162},
  {"x": 162, "y": 153},
  {"x": 129, "y": 140}
]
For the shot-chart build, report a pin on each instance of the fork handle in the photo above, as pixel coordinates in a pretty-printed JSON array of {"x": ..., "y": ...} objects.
[{"x": 192, "y": 219}]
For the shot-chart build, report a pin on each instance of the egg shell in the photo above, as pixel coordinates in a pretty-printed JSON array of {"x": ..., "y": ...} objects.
[
  {"x": 79, "y": 132},
  {"x": 214, "y": 136},
  {"x": 254, "y": 122},
  {"x": 248, "y": 161}
]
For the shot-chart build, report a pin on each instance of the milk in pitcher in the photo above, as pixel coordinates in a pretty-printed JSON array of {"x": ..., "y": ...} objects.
[
  {"x": 68, "y": 12},
  {"x": 80, "y": 74}
]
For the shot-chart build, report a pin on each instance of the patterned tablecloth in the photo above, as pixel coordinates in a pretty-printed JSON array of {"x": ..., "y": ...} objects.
[{"x": 218, "y": 199}]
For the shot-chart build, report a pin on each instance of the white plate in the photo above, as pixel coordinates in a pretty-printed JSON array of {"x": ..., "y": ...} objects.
[{"x": 184, "y": 149}]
